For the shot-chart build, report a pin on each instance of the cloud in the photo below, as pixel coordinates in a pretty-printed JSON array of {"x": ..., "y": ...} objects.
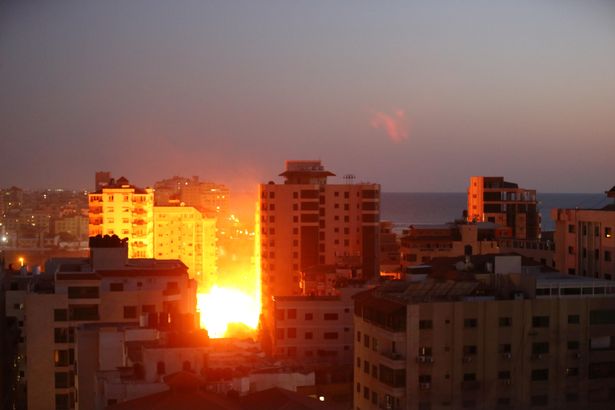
[{"x": 395, "y": 125}]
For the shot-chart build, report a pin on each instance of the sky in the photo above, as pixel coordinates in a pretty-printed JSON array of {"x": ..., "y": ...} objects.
[{"x": 414, "y": 95}]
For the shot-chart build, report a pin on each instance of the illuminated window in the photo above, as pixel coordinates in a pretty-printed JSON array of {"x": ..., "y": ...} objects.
[{"x": 608, "y": 232}]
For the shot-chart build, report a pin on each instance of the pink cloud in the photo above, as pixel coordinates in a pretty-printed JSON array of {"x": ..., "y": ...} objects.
[{"x": 395, "y": 125}]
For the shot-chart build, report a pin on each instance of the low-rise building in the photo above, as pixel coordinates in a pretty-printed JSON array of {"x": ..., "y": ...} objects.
[
  {"x": 585, "y": 240},
  {"x": 490, "y": 333}
]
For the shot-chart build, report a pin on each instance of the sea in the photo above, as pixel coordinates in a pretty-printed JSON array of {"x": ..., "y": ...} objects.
[{"x": 407, "y": 208}]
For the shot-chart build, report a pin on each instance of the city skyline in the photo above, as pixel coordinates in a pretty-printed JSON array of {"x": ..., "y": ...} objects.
[{"x": 414, "y": 96}]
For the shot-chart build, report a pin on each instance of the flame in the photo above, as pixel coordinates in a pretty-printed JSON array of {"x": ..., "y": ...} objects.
[
  {"x": 223, "y": 306},
  {"x": 232, "y": 306}
]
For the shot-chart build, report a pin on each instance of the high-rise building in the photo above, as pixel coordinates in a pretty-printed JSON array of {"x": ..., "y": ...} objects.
[
  {"x": 306, "y": 222},
  {"x": 485, "y": 339},
  {"x": 492, "y": 199},
  {"x": 182, "y": 232},
  {"x": 127, "y": 211},
  {"x": 585, "y": 240}
]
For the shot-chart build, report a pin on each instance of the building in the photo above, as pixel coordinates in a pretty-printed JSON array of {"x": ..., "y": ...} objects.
[
  {"x": 106, "y": 287},
  {"x": 485, "y": 332},
  {"x": 585, "y": 240},
  {"x": 74, "y": 226},
  {"x": 209, "y": 198},
  {"x": 305, "y": 222},
  {"x": 492, "y": 199},
  {"x": 101, "y": 180},
  {"x": 390, "y": 251},
  {"x": 182, "y": 232},
  {"x": 422, "y": 243},
  {"x": 314, "y": 329},
  {"x": 122, "y": 209}
]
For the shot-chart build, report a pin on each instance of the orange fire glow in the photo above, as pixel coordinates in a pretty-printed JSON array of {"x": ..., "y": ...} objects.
[
  {"x": 222, "y": 306},
  {"x": 230, "y": 304}
]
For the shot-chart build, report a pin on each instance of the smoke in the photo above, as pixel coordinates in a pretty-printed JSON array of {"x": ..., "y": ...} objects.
[{"x": 395, "y": 125}]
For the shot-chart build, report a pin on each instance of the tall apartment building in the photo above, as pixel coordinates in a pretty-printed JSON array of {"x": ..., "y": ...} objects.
[
  {"x": 107, "y": 287},
  {"x": 182, "y": 232},
  {"x": 492, "y": 199},
  {"x": 306, "y": 222},
  {"x": 585, "y": 240},
  {"x": 487, "y": 339},
  {"x": 127, "y": 211}
]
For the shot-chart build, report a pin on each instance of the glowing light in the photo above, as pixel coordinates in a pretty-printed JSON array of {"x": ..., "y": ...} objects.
[
  {"x": 223, "y": 306},
  {"x": 21, "y": 261},
  {"x": 321, "y": 398}
]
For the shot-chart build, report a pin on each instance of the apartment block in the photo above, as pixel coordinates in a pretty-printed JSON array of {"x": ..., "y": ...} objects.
[
  {"x": 507, "y": 336},
  {"x": 182, "y": 232},
  {"x": 107, "y": 287},
  {"x": 122, "y": 209},
  {"x": 585, "y": 240},
  {"x": 305, "y": 222},
  {"x": 492, "y": 199}
]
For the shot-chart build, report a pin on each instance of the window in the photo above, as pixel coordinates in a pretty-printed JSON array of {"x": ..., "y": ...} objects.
[
  {"x": 608, "y": 256},
  {"x": 540, "y": 348},
  {"x": 60, "y": 315},
  {"x": 469, "y": 323},
  {"x": 571, "y": 229},
  {"x": 130, "y": 312},
  {"x": 572, "y": 371},
  {"x": 504, "y": 348},
  {"x": 504, "y": 375},
  {"x": 540, "y": 374},
  {"x": 116, "y": 287},
  {"x": 366, "y": 393},
  {"x": 292, "y": 314},
  {"x": 425, "y": 324},
  {"x": 602, "y": 317},
  {"x": 540, "y": 321},
  {"x": 358, "y": 336},
  {"x": 61, "y": 380},
  {"x": 366, "y": 341},
  {"x": 291, "y": 332},
  {"x": 573, "y": 345},
  {"x": 160, "y": 368},
  {"x": 469, "y": 350},
  {"x": 469, "y": 377},
  {"x": 279, "y": 334},
  {"x": 83, "y": 292},
  {"x": 331, "y": 316},
  {"x": 62, "y": 402},
  {"x": 505, "y": 322},
  {"x": 608, "y": 232},
  {"x": 366, "y": 367},
  {"x": 309, "y": 336},
  {"x": 574, "y": 319},
  {"x": 330, "y": 335}
]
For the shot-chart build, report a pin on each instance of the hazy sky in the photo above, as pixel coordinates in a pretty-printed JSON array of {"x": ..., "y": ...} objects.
[{"x": 415, "y": 95}]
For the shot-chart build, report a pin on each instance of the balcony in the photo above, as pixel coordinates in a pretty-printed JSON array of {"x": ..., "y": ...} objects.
[
  {"x": 423, "y": 359},
  {"x": 393, "y": 360}
]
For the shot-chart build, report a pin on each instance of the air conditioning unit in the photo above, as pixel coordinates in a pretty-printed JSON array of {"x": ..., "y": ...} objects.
[
  {"x": 467, "y": 359},
  {"x": 537, "y": 356},
  {"x": 507, "y": 355},
  {"x": 507, "y": 382},
  {"x": 425, "y": 386}
]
